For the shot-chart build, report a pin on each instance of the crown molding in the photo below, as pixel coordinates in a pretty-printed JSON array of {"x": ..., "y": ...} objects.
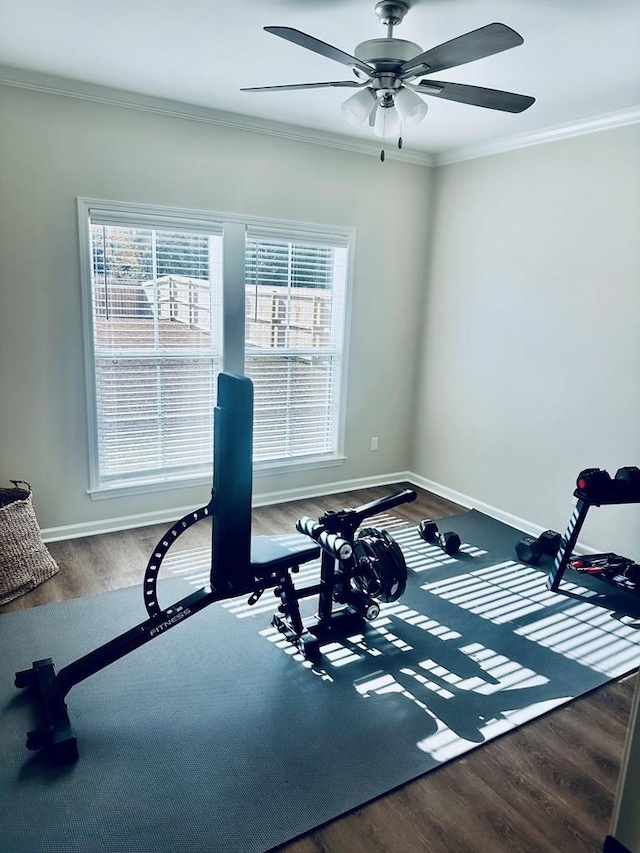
[
  {"x": 52, "y": 85},
  {"x": 608, "y": 121}
]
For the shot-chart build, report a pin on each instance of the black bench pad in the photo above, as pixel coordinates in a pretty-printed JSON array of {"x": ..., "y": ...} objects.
[{"x": 273, "y": 553}]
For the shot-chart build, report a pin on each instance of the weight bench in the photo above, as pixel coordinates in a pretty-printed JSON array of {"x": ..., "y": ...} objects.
[{"x": 355, "y": 571}]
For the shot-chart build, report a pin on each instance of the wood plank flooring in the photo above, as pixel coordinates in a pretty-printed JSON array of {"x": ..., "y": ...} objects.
[{"x": 547, "y": 787}]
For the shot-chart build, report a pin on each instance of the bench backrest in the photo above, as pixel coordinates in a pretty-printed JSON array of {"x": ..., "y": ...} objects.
[{"x": 232, "y": 485}]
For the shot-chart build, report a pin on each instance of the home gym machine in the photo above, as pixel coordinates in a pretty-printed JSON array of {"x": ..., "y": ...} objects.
[
  {"x": 596, "y": 487},
  {"x": 358, "y": 569}
]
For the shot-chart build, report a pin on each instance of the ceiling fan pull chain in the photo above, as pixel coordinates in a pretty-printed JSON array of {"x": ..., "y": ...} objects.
[{"x": 384, "y": 134}]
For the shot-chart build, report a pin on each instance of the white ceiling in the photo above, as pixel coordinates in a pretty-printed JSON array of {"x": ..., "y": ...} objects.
[{"x": 580, "y": 58}]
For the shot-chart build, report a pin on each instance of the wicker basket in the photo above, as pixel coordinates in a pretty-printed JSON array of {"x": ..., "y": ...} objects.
[{"x": 25, "y": 561}]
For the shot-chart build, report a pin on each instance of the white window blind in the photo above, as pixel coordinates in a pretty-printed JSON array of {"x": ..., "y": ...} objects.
[
  {"x": 157, "y": 306},
  {"x": 157, "y": 348},
  {"x": 294, "y": 330}
]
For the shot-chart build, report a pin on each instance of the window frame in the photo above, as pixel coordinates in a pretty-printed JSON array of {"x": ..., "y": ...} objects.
[{"x": 234, "y": 228}]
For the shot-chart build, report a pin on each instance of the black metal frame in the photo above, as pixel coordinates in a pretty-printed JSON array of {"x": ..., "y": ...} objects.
[
  {"x": 612, "y": 845},
  {"x": 233, "y": 572},
  {"x": 335, "y": 533},
  {"x": 570, "y": 537}
]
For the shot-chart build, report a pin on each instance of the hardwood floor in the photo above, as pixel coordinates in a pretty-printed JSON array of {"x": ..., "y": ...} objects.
[{"x": 548, "y": 786}]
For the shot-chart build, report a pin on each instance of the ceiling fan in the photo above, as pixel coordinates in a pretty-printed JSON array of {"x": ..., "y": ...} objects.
[{"x": 388, "y": 70}]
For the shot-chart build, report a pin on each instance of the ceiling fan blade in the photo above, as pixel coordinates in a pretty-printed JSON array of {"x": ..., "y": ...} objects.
[
  {"x": 477, "y": 44},
  {"x": 478, "y": 96},
  {"x": 320, "y": 47},
  {"x": 351, "y": 84}
]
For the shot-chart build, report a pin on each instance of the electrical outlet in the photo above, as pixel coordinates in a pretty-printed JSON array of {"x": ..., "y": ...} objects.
[{"x": 374, "y": 443}]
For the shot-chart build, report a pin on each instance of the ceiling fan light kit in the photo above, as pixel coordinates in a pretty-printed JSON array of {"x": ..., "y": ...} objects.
[
  {"x": 358, "y": 107},
  {"x": 410, "y": 107},
  {"x": 387, "y": 121},
  {"x": 386, "y": 71}
]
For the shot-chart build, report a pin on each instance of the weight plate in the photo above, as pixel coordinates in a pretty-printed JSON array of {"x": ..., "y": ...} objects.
[{"x": 380, "y": 569}]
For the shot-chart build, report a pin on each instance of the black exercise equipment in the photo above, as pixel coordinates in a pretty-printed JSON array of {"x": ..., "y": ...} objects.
[
  {"x": 594, "y": 482},
  {"x": 380, "y": 570},
  {"x": 449, "y": 541},
  {"x": 531, "y": 549},
  {"x": 630, "y": 476},
  {"x": 356, "y": 571},
  {"x": 598, "y": 487},
  {"x": 621, "y": 572},
  {"x": 595, "y": 487}
]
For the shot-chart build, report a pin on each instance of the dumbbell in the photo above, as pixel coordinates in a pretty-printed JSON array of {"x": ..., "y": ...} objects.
[
  {"x": 449, "y": 542},
  {"x": 632, "y": 572},
  {"x": 595, "y": 483},
  {"x": 630, "y": 476},
  {"x": 530, "y": 549}
]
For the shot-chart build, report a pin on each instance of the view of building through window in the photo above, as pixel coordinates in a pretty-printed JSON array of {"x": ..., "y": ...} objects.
[
  {"x": 157, "y": 320},
  {"x": 293, "y": 329}
]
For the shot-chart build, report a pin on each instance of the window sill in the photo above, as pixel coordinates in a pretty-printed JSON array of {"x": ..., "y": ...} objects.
[
  {"x": 143, "y": 487},
  {"x": 260, "y": 469},
  {"x": 285, "y": 466}
]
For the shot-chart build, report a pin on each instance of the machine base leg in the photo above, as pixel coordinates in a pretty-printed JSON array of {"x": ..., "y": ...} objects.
[
  {"x": 316, "y": 633},
  {"x": 55, "y": 734}
]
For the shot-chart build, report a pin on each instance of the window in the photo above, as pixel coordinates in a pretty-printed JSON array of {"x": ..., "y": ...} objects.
[
  {"x": 293, "y": 322},
  {"x": 158, "y": 328}
]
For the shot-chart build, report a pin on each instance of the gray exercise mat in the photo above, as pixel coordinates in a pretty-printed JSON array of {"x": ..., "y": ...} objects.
[{"x": 217, "y": 738}]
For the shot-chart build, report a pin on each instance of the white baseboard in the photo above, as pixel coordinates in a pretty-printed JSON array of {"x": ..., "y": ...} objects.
[
  {"x": 168, "y": 516},
  {"x": 285, "y": 495},
  {"x": 113, "y": 525},
  {"x": 492, "y": 511},
  {"x": 473, "y": 503}
]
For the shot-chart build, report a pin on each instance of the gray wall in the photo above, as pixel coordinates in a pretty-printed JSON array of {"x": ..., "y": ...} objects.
[
  {"x": 529, "y": 362},
  {"x": 54, "y": 149},
  {"x": 493, "y": 354}
]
